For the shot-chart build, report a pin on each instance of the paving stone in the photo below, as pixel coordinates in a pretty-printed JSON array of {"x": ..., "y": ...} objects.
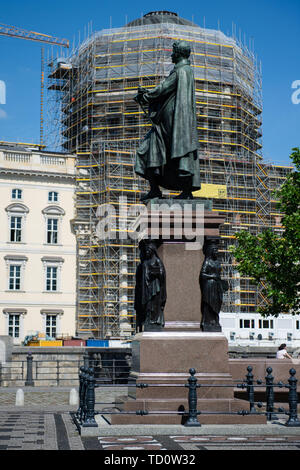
[{"x": 45, "y": 423}]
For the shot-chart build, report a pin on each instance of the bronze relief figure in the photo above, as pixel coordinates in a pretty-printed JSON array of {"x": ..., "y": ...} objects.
[
  {"x": 212, "y": 288},
  {"x": 150, "y": 289}
]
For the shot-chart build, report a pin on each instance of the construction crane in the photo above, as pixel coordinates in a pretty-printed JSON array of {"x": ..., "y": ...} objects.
[{"x": 16, "y": 32}]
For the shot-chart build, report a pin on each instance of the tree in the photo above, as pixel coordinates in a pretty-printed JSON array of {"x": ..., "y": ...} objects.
[{"x": 275, "y": 259}]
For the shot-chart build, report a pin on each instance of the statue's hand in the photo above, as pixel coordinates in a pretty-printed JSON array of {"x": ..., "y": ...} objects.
[
  {"x": 139, "y": 96},
  {"x": 142, "y": 90}
]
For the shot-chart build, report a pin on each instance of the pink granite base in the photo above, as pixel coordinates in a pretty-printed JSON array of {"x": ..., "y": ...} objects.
[{"x": 163, "y": 360}]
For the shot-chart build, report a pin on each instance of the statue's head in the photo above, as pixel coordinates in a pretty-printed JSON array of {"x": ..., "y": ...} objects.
[
  {"x": 181, "y": 50},
  {"x": 147, "y": 249},
  {"x": 210, "y": 249}
]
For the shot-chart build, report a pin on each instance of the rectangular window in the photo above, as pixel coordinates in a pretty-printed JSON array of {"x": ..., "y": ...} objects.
[
  {"x": 15, "y": 229},
  {"x": 16, "y": 194},
  {"x": 297, "y": 325},
  {"x": 266, "y": 324},
  {"x": 52, "y": 196},
  {"x": 14, "y": 325},
  {"x": 14, "y": 277},
  {"x": 51, "y": 326},
  {"x": 52, "y": 230},
  {"x": 51, "y": 278},
  {"x": 245, "y": 323}
]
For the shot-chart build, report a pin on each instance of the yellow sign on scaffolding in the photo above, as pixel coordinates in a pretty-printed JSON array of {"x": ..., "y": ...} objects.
[{"x": 217, "y": 191}]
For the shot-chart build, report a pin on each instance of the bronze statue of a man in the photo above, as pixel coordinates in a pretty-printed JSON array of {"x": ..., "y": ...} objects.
[
  {"x": 150, "y": 289},
  {"x": 168, "y": 154}
]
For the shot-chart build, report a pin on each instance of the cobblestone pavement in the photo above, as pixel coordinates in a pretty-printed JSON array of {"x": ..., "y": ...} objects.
[
  {"x": 191, "y": 443},
  {"x": 38, "y": 430},
  {"x": 50, "y": 430},
  {"x": 45, "y": 423}
]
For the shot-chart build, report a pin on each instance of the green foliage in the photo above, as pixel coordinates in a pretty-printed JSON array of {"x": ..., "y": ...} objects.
[{"x": 272, "y": 259}]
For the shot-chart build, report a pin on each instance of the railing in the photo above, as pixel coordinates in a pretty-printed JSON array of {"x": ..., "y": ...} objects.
[
  {"x": 60, "y": 372},
  {"x": 51, "y": 160},
  {"x": 17, "y": 157},
  {"x": 85, "y": 415},
  {"x": 33, "y": 159},
  {"x": 31, "y": 372}
]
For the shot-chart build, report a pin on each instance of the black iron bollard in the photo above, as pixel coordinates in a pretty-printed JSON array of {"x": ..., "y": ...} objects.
[
  {"x": 86, "y": 360},
  {"x": 192, "y": 385},
  {"x": 270, "y": 394},
  {"x": 250, "y": 389},
  {"x": 84, "y": 394},
  {"x": 29, "y": 379},
  {"x": 81, "y": 379},
  {"x": 89, "y": 420},
  {"x": 293, "y": 400}
]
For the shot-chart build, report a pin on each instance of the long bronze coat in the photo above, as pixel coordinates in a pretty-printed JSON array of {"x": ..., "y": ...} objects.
[{"x": 170, "y": 147}]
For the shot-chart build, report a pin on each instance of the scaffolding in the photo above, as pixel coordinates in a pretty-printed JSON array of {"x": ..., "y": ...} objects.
[{"x": 93, "y": 114}]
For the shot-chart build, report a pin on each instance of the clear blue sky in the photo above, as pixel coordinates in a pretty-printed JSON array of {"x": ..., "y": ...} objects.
[{"x": 274, "y": 26}]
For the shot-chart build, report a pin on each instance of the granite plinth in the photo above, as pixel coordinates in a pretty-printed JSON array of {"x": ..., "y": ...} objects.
[
  {"x": 181, "y": 220},
  {"x": 162, "y": 360},
  {"x": 192, "y": 203}
]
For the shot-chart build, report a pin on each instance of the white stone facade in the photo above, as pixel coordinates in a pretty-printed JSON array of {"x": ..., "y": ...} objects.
[{"x": 37, "y": 246}]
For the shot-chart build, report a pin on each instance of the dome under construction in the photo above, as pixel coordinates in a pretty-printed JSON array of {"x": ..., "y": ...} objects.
[{"x": 99, "y": 120}]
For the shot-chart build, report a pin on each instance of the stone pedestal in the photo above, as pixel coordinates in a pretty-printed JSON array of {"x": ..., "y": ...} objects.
[{"x": 164, "y": 358}]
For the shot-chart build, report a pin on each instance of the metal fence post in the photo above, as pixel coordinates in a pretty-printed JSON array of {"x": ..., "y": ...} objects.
[
  {"x": 57, "y": 372},
  {"x": 293, "y": 400},
  {"x": 86, "y": 360},
  {"x": 81, "y": 378},
  {"x": 250, "y": 389},
  {"x": 270, "y": 394},
  {"x": 89, "y": 420},
  {"x": 192, "y": 386},
  {"x": 29, "y": 380},
  {"x": 114, "y": 371},
  {"x": 84, "y": 394}
]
